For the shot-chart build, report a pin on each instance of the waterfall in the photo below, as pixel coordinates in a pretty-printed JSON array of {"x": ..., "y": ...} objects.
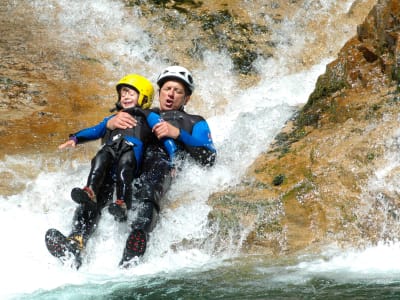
[{"x": 243, "y": 121}]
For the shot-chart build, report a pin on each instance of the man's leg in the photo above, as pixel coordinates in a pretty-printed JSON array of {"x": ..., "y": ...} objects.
[
  {"x": 84, "y": 223},
  {"x": 137, "y": 240},
  {"x": 153, "y": 184},
  {"x": 85, "y": 220}
]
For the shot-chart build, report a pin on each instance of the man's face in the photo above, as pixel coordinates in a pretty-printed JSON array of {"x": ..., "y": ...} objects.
[{"x": 172, "y": 95}]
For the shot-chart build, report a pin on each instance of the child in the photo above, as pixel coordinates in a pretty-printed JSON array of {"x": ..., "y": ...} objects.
[{"x": 122, "y": 149}]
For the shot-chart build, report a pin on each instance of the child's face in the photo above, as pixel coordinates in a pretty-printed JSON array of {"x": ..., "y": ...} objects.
[{"x": 129, "y": 97}]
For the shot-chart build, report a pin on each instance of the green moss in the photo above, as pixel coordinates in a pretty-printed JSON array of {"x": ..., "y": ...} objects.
[
  {"x": 372, "y": 112},
  {"x": 243, "y": 60},
  {"x": 332, "y": 81},
  {"x": 221, "y": 31},
  {"x": 88, "y": 59},
  {"x": 210, "y": 21},
  {"x": 370, "y": 156},
  {"x": 132, "y": 3},
  {"x": 282, "y": 138},
  {"x": 299, "y": 190},
  {"x": 285, "y": 149},
  {"x": 279, "y": 179},
  {"x": 325, "y": 89},
  {"x": 396, "y": 77},
  {"x": 239, "y": 39},
  {"x": 265, "y": 214},
  {"x": 6, "y": 83},
  {"x": 267, "y": 228},
  {"x": 175, "y": 3}
]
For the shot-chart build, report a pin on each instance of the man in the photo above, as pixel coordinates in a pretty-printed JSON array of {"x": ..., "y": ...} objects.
[{"x": 191, "y": 135}]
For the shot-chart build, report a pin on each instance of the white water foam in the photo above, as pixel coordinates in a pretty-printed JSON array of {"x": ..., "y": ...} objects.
[{"x": 377, "y": 264}]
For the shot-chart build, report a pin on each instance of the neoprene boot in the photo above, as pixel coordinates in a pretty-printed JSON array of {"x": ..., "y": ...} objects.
[
  {"x": 84, "y": 196},
  {"x": 134, "y": 248},
  {"x": 63, "y": 247},
  {"x": 119, "y": 210}
]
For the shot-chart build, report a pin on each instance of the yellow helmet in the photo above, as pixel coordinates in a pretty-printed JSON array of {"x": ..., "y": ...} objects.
[{"x": 142, "y": 85}]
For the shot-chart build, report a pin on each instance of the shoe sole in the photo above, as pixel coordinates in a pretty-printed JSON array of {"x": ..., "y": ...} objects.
[
  {"x": 81, "y": 197},
  {"x": 60, "y": 247},
  {"x": 135, "y": 247},
  {"x": 119, "y": 213}
]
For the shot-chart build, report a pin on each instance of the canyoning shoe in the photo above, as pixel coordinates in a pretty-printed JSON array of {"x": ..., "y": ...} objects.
[
  {"x": 85, "y": 197},
  {"x": 134, "y": 248},
  {"x": 119, "y": 210},
  {"x": 67, "y": 249}
]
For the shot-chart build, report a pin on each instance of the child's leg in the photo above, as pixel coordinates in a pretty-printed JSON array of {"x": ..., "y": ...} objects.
[
  {"x": 100, "y": 168},
  {"x": 126, "y": 169},
  {"x": 125, "y": 173}
]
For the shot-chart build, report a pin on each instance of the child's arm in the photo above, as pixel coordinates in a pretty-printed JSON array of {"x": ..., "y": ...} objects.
[{"x": 87, "y": 134}]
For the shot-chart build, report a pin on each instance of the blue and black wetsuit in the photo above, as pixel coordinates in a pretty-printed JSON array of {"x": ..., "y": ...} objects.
[
  {"x": 156, "y": 176},
  {"x": 155, "y": 180},
  {"x": 121, "y": 153},
  {"x": 117, "y": 163}
]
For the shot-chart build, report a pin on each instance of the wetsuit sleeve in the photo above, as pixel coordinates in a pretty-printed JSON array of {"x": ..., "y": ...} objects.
[
  {"x": 169, "y": 144},
  {"x": 91, "y": 133},
  {"x": 199, "y": 144}
]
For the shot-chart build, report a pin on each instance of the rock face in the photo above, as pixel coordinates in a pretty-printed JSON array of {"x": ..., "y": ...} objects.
[
  {"x": 43, "y": 79},
  {"x": 312, "y": 187}
]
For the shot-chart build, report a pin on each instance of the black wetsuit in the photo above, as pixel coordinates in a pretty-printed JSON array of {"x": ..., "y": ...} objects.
[
  {"x": 155, "y": 179},
  {"x": 117, "y": 163},
  {"x": 121, "y": 153}
]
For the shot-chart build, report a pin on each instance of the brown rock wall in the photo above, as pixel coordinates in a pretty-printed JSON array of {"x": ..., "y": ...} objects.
[{"x": 326, "y": 156}]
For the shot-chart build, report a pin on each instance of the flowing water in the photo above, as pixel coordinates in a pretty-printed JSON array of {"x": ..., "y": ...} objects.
[{"x": 181, "y": 261}]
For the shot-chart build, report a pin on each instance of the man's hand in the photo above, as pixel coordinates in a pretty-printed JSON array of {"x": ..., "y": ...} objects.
[
  {"x": 165, "y": 129},
  {"x": 122, "y": 120}
]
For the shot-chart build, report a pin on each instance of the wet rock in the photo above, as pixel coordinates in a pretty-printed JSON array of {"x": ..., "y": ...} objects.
[{"x": 331, "y": 150}]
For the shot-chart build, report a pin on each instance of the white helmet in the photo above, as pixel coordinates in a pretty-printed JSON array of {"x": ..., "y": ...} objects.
[{"x": 176, "y": 72}]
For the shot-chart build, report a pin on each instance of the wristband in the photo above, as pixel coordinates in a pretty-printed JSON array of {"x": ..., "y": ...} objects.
[{"x": 74, "y": 138}]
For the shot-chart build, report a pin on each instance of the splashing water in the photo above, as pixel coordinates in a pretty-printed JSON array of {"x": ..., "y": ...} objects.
[{"x": 242, "y": 128}]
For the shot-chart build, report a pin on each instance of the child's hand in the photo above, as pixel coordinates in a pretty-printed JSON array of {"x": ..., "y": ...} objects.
[{"x": 67, "y": 144}]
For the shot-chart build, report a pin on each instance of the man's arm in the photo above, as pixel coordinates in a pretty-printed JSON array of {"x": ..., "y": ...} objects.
[
  {"x": 121, "y": 120},
  {"x": 165, "y": 129},
  {"x": 199, "y": 143}
]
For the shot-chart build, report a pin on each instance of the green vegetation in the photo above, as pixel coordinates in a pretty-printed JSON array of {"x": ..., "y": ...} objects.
[{"x": 278, "y": 180}]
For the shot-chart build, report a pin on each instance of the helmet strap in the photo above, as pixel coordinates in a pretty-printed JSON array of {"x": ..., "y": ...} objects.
[{"x": 144, "y": 101}]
